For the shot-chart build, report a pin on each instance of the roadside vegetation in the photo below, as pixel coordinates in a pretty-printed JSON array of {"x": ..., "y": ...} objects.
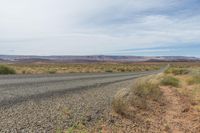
[
  {"x": 190, "y": 85},
  {"x": 128, "y": 102},
  {"x": 83, "y": 68},
  {"x": 177, "y": 71},
  {"x": 6, "y": 70},
  {"x": 166, "y": 99},
  {"x": 170, "y": 80}
]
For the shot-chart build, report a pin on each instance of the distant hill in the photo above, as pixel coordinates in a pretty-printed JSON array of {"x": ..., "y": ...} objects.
[{"x": 95, "y": 58}]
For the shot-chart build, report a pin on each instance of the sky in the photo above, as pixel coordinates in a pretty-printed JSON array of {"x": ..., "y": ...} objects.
[{"x": 100, "y": 27}]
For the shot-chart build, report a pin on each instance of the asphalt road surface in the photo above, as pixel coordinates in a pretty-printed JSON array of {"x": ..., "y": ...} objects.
[
  {"x": 35, "y": 103},
  {"x": 19, "y": 88}
]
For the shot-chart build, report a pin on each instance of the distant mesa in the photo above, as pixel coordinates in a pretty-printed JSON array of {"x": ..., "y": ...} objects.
[{"x": 93, "y": 58}]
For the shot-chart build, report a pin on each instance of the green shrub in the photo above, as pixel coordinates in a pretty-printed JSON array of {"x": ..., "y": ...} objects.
[
  {"x": 6, "y": 70},
  {"x": 177, "y": 71},
  {"x": 109, "y": 71},
  {"x": 169, "y": 80},
  {"x": 52, "y": 71}
]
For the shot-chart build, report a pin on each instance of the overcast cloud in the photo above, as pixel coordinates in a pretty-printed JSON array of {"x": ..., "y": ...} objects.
[{"x": 88, "y": 27}]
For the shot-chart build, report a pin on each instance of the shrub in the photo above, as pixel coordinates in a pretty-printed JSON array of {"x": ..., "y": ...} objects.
[
  {"x": 6, "y": 70},
  {"x": 194, "y": 80},
  {"x": 24, "y": 72},
  {"x": 52, "y": 71},
  {"x": 128, "y": 102},
  {"x": 109, "y": 71},
  {"x": 169, "y": 80},
  {"x": 121, "y": 70},
  {"x": 177, "y": 71},
  {"x": 144, "y": 88},
  {"x": 120, "y": 101}
]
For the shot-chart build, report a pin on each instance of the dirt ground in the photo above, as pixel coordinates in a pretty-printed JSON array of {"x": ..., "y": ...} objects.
[
  {"x": 173, "y": 115},
  {"x": 180, "y": 117}
]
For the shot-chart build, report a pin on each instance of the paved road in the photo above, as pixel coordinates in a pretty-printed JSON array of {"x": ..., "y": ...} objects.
[
  {"x": 19, "y": 88},
  {"x": 45, "y": 103}
]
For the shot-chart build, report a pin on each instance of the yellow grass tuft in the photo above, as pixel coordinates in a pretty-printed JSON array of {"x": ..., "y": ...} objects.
[{"x": 144, "y": 90}]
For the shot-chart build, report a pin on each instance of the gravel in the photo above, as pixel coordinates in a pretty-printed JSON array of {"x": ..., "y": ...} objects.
[{"x": 48, "y": 103}]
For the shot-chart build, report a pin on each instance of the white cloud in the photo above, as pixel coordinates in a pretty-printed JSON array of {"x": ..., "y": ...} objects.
[{"x": 47, "y": 27}]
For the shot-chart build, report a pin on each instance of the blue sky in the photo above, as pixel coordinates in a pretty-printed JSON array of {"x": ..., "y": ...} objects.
[{"x": 100, "y": 27}]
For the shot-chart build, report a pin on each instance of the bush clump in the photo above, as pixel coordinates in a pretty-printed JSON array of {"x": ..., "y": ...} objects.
[
  {"x": 140, "y": 96},
  {"x": 177, "y": 71},
  {"x": 169, "y": 80},
  {"x": 52, "y": 71},
  {"x": 6, "y": 70},
  {"x": 194, "y": 80},
  {"x": 146, "y": 89},
  {"x": 108, "y": 71},
  {"x": 121, "y": 100}
]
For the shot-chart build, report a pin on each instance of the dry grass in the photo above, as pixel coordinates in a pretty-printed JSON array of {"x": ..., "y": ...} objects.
[
  {"x": 83, "y": 68},
  {"x": 142, "y": 104},
  {"x": 189, "y": 85},
  {"x": 120, "y": 101},
  {"x": 159, "y": 100},
  {"x": 194, "y": 79},
  {"x": 144, "y": 90},
  {"x": 76, "y": 128},
  {"x": 185, "y": 80},
  {"x": 147, "y": 88},
  {"x": 177, "y": 71}
]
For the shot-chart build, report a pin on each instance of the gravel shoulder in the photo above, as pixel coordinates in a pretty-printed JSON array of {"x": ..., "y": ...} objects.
[{"x": 87, "y": 106}]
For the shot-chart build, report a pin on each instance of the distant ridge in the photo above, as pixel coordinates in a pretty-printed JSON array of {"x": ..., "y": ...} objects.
[{"x": 92, "y": 58}]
